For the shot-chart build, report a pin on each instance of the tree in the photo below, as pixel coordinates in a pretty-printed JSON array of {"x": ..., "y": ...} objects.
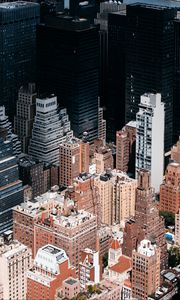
[
  {"x": 90, "y": 289},
  {"x": 173, "y": 257},
  {"x": 105, "y": 260},
  {"x": 169, "y": 218}
]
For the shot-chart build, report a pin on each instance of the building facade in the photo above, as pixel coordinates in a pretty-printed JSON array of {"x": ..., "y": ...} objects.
[
  {"x": 145, "y": 270},
  {"x": 18, "y": 49},
  {"x": 31, "y": 173},
  {"x": 150, "y": 138},
  {"x": 25, "y": 113},
  {"x": 11, "y": 190},
  {"x": 51, "y": 267},
  {"x": 72, "y": 71},
  {"x": 151, "y": 69},
  {"x": 125, "y": 148},
  {"x": 51, "y": 128},
  {"x": 15, "y": 260},
  {"x": 86, "y": 195},
  {"x": 147, "y": 214},
  {"x": 175, "y": 152},
  {"x": 90, "y": 268},
  {"x": 177, "y": 228},
  {"x": 69, "y": 161},
  {"x": 117, "y": 196},
  {"x": 170, "y": 189},
  {"x": 6, "y": 127}
]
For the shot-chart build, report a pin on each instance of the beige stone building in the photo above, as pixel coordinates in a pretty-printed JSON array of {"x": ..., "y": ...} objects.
[
  {"x": 104, "y": 186},
  {"x": 15, "y": 260},
  {"x": 103, "y": 159},
  {"x": 117, "y": 196}
]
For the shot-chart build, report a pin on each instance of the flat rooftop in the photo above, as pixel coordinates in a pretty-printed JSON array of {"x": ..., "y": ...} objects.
[
  {"x": 154, "y": 3},
  {"x": 16, "y": 4},
  {"x": 42, "y": 202},
  {"x": 74, "y": 220}
]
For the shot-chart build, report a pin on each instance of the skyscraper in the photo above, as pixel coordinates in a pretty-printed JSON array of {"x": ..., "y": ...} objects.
[
  {"x": 25, "y": 113},
  {"x": 11, "y": 191},
  {"x": 18, "y": 22},
  {"x": 147, "y": 214},
  {"x": 150, "y": 138},
  {"x": 150, "y": 58},
  {"x": 115, "y": 113},
  {"x": 8, "y": 134},
  {"x": 50, "y": 129},
  {"x": 68, "y": 65}
]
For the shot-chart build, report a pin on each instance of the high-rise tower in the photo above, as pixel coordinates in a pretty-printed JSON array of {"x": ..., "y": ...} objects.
[
  {"x": 150, "y": 137},
  {"x": 68, "y": 65},
  {"x": 150, "y": 58},
  {"x": 147, "y": 214},
  {"x": 25, "y": 113},
  {"x": 6, "y": 126},
  {"x": 18, "y": 22},
  {"x": 11, "y": 190},
  {"x": 50, "y": 129}
]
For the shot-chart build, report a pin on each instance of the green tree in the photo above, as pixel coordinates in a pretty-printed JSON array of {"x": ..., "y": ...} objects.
[
  {"x": 169, "y": 218},
  {"x": 105, "y": 260},
  {"x": 90, "y": 289},
  {"x": 173, "y": 257}
]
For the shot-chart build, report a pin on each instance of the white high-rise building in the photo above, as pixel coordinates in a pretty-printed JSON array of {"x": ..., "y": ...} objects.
[
  {"x": 15, "y": 260},
  {"x": 50, "y": 129},
  {"x": 150, "y": 137}
]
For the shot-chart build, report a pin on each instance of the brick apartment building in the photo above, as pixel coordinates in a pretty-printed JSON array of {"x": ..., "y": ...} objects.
[{"x": 51, "y": 267}]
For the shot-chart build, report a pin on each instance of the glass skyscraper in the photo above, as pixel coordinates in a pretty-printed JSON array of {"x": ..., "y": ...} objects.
[
  {"x": 11, "y": 190},
  {"x": 18, "y": 22},
  {"x": 68, "y": 65}
]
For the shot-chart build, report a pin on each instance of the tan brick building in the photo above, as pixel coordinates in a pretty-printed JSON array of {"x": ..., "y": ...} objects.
[
  {"x": 117, "y": 196},
  {"x": 170, "y": 189}
]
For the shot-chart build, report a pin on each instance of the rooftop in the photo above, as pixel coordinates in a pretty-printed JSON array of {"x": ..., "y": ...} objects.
[
  {"x": 115, "y": 244},
  {"x": 42, "y": 202},
  {"x": 113, "y": 175},
  {"x": 49, "y": 257},
  {"x": 124, "y": 264},
  {"x": 17, "y": 4},
  {"x": 146, "y": 248},
  {"x": 11, "y": 249},
  {"x": 73, "y": 220}
]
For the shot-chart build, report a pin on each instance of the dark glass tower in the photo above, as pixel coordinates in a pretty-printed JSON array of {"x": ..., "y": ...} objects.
[
  {"x": 176, "y": 106},
  {"x": 150, "y": 59},
  {"x": 115, "y": 106},
  {"x": 18, "y": 22},
  {"x": 68, "y": 65},
  {"x": 11, "y": 190}
]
